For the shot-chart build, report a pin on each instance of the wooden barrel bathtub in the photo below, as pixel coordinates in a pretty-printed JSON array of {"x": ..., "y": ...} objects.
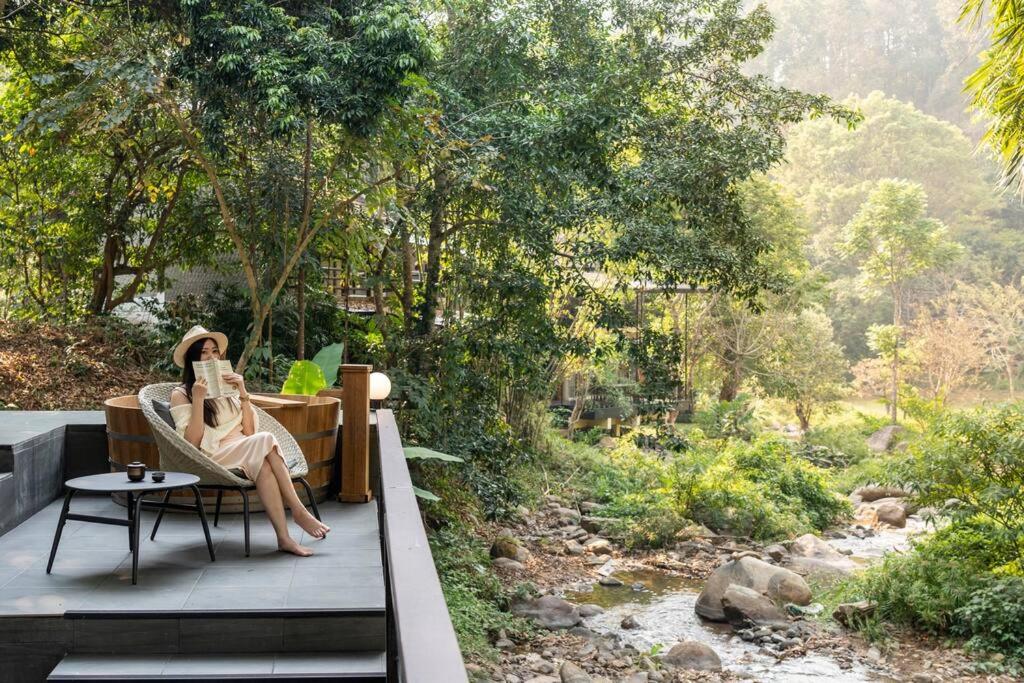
[{"x": 313, "y": 423}]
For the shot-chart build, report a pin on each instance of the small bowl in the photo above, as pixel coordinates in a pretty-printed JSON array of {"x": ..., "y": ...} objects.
[{"x": 157, "y": 476}]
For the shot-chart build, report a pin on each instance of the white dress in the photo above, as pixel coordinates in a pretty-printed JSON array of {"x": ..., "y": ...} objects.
[{"x": 225, "y": 444}]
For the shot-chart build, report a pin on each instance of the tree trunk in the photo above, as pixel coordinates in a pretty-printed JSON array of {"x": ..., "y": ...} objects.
[
  {"x": 803, "y": 413},
  {"x": 435, "y": 240},
  {"x": 731, "y": 384},
  {"x": 300, "y": 303}
]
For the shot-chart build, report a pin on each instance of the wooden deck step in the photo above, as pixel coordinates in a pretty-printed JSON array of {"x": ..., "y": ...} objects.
[{"x": 348, "y": 666}]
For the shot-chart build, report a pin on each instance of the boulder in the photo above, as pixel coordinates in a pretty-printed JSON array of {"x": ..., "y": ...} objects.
[
  {"x": 505, "y": 546},
  {"x": 573, "y": 548},
  {"x": 629, "y": 622},
  {"x": 570, "y": 673},
  {"x": 610, "y": 581},
  {"x": 881, "y": 441},
  {"x": 589, "y": 506},
  {"x": 776, "y": 552},
  {"x": 744, "y": 607},
  {"x": 549, "y": 611},
  {"x": 821, "y": 570},
  {"x": 868, "y": 494},
  {"x": 848, "y": 613},
  {"x": 781, "y": 585},
  {"x": 691, "y": 654},
  {"x": 590, "y": 610},
  {"x": 816, "y": 556},
  {"x": 598, "y": 546},
  {"x": 892, "y": 514},
  {"x": 693, "y": 531}
]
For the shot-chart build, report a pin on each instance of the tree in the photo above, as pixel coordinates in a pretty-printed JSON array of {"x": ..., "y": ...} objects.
[
  {"x": 895, "y": 241},
  {"x": 805, "y": 365},
  {"x": 999, "y": 312},
  {"x": 274, "y": 102},
  {"x": 946, "y": 350},
  {"x": 995, "y": 84}
]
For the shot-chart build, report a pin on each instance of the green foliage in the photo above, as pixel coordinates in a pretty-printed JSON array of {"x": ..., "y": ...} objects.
[
  {"x": 847, "y": 443},
  {"x": 926, "y": 587},
  {"x": 729, "y": 419},
  {"x": 305, "y": 377},
  {"x": 993, "y": 619},
  {"x": 474, "y": 594},
  {"x": 590, "y": 436},
  {"x": 759, "y": 489},
  {"x": 976, "y": 457},
  {"x": 329, "y": 360}
]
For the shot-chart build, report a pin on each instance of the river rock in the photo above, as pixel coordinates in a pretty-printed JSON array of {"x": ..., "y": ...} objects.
[
  {"x": 506, "y": 563},
  {"x": 776, "y": 552},
  {"x": 598, "y": 546},
  {"x": 570, "y": 673},
  {"x": 573, "y": 548},
  {"x": 590, "y": 610},
  {"x": 743, "y": 606},
  {"x": 881, "y": 441},
  {"x": 848, "y": 613},
  {"x": 610, "y": 581},
  {"x": 505, "y": 546},
  {"x": 691, "y": 654},
  {"x": 892, "y": 514},
  {"x": 589, "y": 506},
  {"x": 549, "y": 611},
  {"x": 593, "y": 524},
  {"x": 629, "y": 622},
  {"x": 568, "y": 513},
  {"x": 812, "y": 556},
  {"x": 868, "y": 494},
  {"x": 781, "y": 585}
]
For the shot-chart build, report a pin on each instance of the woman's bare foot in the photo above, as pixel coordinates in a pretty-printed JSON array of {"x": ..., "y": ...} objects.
[
  {"x": 290, "y": 546},
  {"x": 310, "y": 524}
]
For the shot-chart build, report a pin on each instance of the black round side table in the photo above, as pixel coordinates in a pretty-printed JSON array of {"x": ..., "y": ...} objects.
[{"x": 115, "y": 482}]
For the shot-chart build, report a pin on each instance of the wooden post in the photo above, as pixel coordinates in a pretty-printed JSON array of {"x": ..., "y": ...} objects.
[{"x": 355, "y": 434}]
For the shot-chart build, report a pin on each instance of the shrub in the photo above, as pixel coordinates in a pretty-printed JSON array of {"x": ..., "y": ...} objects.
[
  {"x": 474, "y": 594},
  {"x": 993, "y": 618},
  {"x": 729, "y": 419},
  {"x": 843, "y": 444},
  {"x": 759, "y": 489}
]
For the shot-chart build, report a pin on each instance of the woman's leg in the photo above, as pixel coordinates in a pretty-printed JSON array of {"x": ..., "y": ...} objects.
[
  {"x": 302, "y": 516},
  {"x": 270, "y": 493}
]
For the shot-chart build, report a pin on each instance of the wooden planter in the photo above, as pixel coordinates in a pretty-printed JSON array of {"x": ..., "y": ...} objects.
[{"x": 312, "y": 420}]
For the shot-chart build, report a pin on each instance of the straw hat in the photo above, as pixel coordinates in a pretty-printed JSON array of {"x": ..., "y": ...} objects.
[{"x": 196, "y": 333}]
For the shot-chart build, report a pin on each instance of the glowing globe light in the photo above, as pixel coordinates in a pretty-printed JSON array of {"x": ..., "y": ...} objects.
[{"x": 380, "y": 386}]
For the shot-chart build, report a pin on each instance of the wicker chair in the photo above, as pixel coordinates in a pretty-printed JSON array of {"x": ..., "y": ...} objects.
[{"x": 178, "y": 455}]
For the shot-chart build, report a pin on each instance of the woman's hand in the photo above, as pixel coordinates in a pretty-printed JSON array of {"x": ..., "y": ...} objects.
[
  {"x": 235, "y": 380},
  {"x": 199, "y": 390}
]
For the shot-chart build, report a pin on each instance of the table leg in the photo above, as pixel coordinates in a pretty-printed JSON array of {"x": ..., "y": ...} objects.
[
  {"x": 134, "y": 531},
  {"x": 160, "y": 515},
  {"x": 216, "y": 512},
  {"x": 60, "y": 528},
  {"x": 245, "y": 517},
  {"x": 131, "y": 512},
  {"x": 202, "y": 517}
]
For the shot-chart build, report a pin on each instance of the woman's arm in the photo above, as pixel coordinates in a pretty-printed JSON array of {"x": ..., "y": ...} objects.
[
  {"x": 248, "y": 414},
  {"x": 196, "y": 426}
]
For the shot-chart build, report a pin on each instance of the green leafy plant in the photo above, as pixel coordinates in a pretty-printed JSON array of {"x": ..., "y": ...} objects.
[
  {"x": 305, "y": 377},
  {"x": 420, "y": 453},
  {"x": 329, "y": 360}
]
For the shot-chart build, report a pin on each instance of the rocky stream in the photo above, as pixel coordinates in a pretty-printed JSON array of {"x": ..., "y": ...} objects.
[{"x": 712, "y": 608}]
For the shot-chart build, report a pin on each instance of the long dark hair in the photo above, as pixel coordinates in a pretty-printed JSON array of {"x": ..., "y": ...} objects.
[{"x": 188, "y": 378}]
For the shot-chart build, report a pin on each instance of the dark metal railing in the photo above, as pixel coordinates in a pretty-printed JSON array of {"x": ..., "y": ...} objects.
[{"x": 421, "y": 642}]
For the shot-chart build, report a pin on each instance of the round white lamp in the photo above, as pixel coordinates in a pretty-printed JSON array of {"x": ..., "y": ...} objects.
[{"x": 380, "y": 386}]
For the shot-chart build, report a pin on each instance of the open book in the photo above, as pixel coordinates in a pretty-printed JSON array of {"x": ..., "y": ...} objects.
[{"x": 211, "y": 370}]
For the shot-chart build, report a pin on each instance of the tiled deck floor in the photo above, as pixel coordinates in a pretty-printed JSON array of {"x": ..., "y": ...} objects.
[{"x": 92, "y": 570}]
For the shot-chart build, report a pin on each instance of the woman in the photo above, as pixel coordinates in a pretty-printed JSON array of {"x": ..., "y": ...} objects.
[{"x": 226, "y": 430}]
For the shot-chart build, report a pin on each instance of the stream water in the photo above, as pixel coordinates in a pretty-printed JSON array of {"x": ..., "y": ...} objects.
[{"x": 664, "y": 609}]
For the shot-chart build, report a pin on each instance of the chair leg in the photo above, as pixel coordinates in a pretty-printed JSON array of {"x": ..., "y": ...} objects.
[
  {"x": 245, "y": 517},
  {"x": 312, "y": 500},
  {"x": 159, "y": 516},
  {"x": 216, "y": 510}
]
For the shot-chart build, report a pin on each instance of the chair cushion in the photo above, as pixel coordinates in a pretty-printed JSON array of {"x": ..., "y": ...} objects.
[{"x": 163, "y": 409}]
